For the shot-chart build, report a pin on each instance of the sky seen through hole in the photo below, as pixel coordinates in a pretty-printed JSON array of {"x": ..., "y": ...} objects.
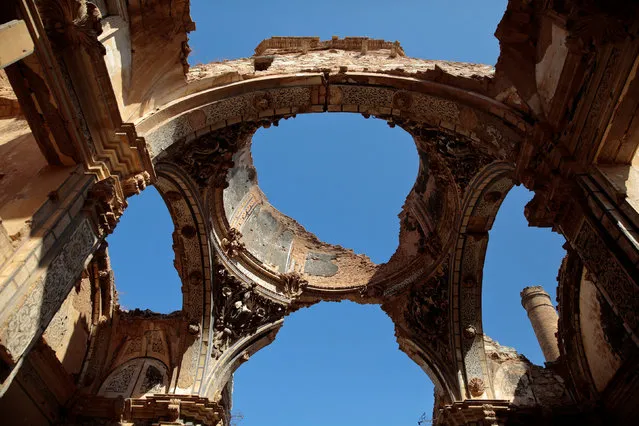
[{"x": 338, "y": 363}]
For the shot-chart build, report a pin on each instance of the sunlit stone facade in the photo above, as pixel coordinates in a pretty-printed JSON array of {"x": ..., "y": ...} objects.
[{"x": 97, "y": 101}]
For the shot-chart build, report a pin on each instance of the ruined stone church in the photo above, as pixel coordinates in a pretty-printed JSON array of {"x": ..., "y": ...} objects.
[{"x": 98, "y": 101}]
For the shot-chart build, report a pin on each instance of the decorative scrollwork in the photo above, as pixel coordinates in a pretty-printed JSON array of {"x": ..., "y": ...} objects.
[
  {"x": 209, "y": 158},
  {"x": 294, "y": 284},
  {"x": 231, "y": 244},
  {"x": 428, "y": 314},
  {"x": 239, "y": 310}
]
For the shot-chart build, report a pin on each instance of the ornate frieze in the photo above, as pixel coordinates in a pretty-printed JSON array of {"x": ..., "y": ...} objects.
[
  {"x": 427, "y": 313},
  {"x": 208, "y": 158},
  {"x": 47, "y": 293},
  {"x": 239, "y": 310},
  {"x": 610, "y": 275}
]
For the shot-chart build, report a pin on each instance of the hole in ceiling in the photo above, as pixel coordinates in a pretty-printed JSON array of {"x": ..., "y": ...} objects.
[{"x": 342, "y": 177}]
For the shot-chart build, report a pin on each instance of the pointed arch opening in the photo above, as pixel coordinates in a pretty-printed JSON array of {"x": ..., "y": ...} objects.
[
  {"x": 517, "y": 256},
  {"x": 140, "y": 249}
]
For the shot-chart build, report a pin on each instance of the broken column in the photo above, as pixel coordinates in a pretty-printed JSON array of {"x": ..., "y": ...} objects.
[{"x": 543, "y": 318}]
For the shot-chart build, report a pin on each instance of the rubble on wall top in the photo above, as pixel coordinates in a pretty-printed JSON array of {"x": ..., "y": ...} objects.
[{"x": 283, "y": 45}]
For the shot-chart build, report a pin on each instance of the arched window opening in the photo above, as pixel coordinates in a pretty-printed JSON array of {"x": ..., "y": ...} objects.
[
  {"x": 517, "y": 256},
  {"x": 141, "y": 253},
  {"x": 413, "y": 25},
  {"x": 340, "y": 176},
  {"x": 335, "y": 363}
]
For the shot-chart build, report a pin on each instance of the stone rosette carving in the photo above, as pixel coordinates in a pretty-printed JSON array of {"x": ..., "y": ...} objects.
[
  {"x": 239, "y": 310},
  {"x": 231, "y": 244},
  {"x": 476, "y": 386},
  {"x": 72, "y": 23},
  {"x": 402, "y": 100},
  {"x": 294, "y": 284}
]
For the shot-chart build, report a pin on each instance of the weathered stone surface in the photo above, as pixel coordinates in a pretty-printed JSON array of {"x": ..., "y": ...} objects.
[{"x": 557, "y": 113}]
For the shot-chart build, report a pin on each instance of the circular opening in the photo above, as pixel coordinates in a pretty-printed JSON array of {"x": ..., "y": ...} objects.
[
  {"x": 320, "y": 195},
  {"x": 342, "y": 177}
]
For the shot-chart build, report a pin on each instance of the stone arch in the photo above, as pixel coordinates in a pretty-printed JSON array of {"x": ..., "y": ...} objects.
[
  {"x": 193, "y": 262},
  {"x": 458, "y": 132},
  {"x": 481, "y": 204},
  {"x": 136, "y": 378},
  {"x": 240, "y": 352}
]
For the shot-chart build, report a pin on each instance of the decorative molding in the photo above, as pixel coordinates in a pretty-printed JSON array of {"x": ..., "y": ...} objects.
[
  {"x": 239, "y": 310},
  {"x": 427, "y": 313},
  {"x": 294, "y": 284},
  {"x": 231, "y": 244}
]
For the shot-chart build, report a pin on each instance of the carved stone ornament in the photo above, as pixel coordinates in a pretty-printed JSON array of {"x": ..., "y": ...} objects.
[
  {"x": 427, "y": 312},
  {"x": 135, "y": 184},
  {"x": 239, "y": 310},
  {"x": 231, "y": 244},
  {"x": 262, "y": 101},
  {"x": 194, "y": 329},
  {"x": 209, "y": 158},
  {"x": 476, "y": 386},
  {"x": 593, "y": 22},
  {"x": 73, "y": 23},
  {"x": 402, "y": 100},
  {"x": 105, "y": 204},
  {"x": 294, "y": 284},
  {"x": 450, "y": 155},
  {"x": 470, "y": 332},
  {"x": 489, "y": 413},
  {"x": 173, "y": 410}
]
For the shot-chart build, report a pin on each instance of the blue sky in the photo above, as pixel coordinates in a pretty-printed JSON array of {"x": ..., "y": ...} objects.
[{"x": 345, "y": 179}]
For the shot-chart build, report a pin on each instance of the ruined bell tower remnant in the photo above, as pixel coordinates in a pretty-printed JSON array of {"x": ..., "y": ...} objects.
[{"x": 543, "y": 317}]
